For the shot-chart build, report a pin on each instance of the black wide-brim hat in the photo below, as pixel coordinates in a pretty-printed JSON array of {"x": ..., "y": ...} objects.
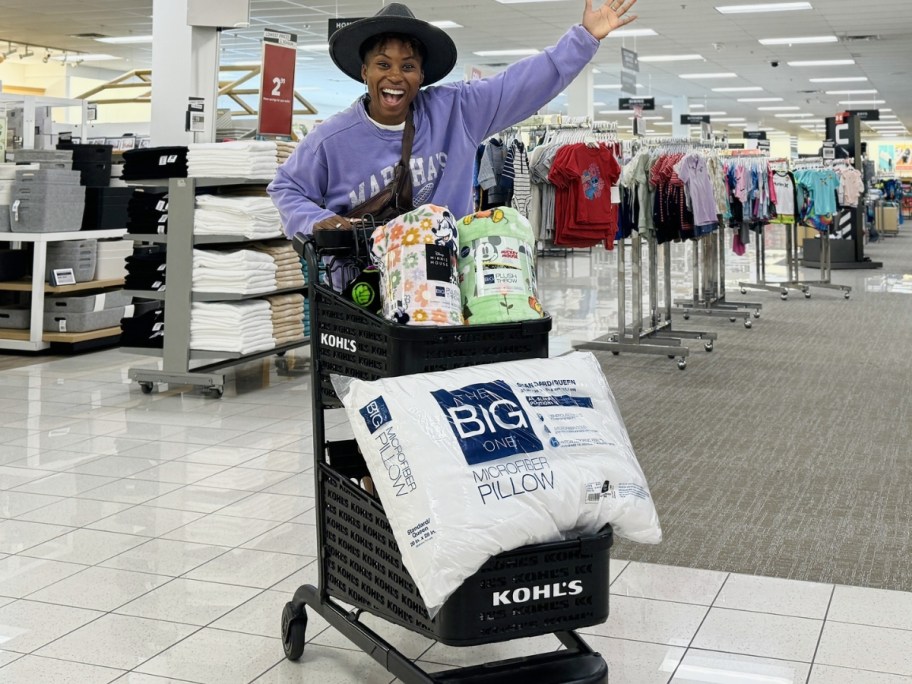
[{"x": 345, "y": 44}]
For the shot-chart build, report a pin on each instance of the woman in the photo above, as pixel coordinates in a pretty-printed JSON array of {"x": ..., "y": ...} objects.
[{"x": 352, "y": 155}]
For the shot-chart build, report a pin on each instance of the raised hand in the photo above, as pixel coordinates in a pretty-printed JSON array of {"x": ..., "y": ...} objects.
[{"x": 610, "y": 16}]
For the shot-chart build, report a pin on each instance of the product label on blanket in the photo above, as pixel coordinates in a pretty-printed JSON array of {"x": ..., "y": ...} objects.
[
  {"x": 488, "y": 421},
  {"x": 500, "y": 266},
  {"x": 439, "y": 263}
]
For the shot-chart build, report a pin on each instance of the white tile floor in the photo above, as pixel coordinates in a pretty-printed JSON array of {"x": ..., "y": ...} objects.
[{"x": 155, "y": 539}]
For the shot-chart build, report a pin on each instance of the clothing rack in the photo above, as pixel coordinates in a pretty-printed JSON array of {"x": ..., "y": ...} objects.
[
  {"x": 708, "y": 271},
  {"x": 793, "y": 279},
  {"x": 652, "y": 334}
]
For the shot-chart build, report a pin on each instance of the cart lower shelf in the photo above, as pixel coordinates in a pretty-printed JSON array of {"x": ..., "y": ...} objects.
[{"x": 578, "y": 664}]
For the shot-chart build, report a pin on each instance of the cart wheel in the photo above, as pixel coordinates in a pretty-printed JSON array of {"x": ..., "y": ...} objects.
[
  {"x": 146, "y": 387},
  {"x": 686, "y": 317},
  {"x": 281, "y": 364},
  {"x": 784, "y": 297},
  {"x": 747, "y": 323},
  {"x": 807, "y": 295},
  {"x": 682, "y": 364},
  {"x": 743, "y": 291},
  {"x": 216, "y": 392},
  {"x": 616, "y": 353},
  {"x": 294, "y": 630},
  {"x": 756, "y": 314},
  {"x": 846, "y": 295},
  {"x": 671, "y": 356},
  {"x": 708, "y": 346},
  {"x": 732, "y": 319}
]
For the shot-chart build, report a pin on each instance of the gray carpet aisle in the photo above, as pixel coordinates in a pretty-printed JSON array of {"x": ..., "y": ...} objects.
[{"x": 787, "y": 452}]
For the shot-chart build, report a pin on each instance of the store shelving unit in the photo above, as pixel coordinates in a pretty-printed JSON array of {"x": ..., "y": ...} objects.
[
  {"x": 178, "y": 296},
  {"x": 35, "y": 338}
]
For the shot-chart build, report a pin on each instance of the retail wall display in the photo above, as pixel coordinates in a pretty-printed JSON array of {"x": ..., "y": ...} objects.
[{"x": 503, "y": 455}]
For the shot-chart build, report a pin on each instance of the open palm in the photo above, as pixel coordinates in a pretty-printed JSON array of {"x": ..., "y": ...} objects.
[{"x": 610, "y": 16}]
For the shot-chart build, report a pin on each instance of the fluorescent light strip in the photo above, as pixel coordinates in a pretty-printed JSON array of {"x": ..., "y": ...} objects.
[
  {"x": 614, "y": 111},
  {"x": 671, "y": 58},
  {"x": 698, "y": 106},
  {"x": 445, "y": 24},
  {"x": 738, "y": 89},
  {"x": 124, "y": 40},
  {"x": 760, "y": 99},
  {"x": 721, "y": 74},
  {"x": 766, "y": 7},
  {"x": 803, "y": 40},
  {"x": 711, "y": 113},
  {"x": 861, "y": 102},
  {"x": 632, "y": 33},
  {"x": 792, "y": 114},
  {"x": 813, "y": 122},
  {"x": 778, "y": 109},
  {"x": 75, "y": 57},
  {"x": 314, "y": 47},
  {"x": 840, "y": 79},
  {"x": 725, "y": 119},
  {"x": 521, "y": 52},
  {"x": 852, "y": 92},
  {"x": 822, "y": 62}
]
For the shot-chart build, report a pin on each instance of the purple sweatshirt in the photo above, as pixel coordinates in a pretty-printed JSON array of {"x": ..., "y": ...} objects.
[{"x": 347, "y": 159}]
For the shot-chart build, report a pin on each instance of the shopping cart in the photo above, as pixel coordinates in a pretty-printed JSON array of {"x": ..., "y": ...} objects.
[{"x": 359, "y": 562}]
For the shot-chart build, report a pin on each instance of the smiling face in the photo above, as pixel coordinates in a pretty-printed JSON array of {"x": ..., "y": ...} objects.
[{"x": 393, "y": 74}]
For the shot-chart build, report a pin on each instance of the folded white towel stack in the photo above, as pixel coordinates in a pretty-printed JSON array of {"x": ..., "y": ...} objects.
[
  {"x": 248, "y": 217},
  {"x": 241, "y": 327},
  {"x": 239, "y": 159}
]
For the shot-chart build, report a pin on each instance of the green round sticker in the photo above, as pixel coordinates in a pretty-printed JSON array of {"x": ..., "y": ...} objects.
[{"x": 363, "y": 294}]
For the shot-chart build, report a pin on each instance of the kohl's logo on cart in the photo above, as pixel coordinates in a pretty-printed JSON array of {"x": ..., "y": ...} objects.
[
  {"x": 537, "y": 593},
  {"x": 337, "y": 342},
  {"x": 376, "y": 414},
  {"x": 488, "y": 421}
]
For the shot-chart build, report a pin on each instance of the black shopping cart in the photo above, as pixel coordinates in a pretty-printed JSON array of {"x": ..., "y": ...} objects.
[{"x": 359, "y": 561}]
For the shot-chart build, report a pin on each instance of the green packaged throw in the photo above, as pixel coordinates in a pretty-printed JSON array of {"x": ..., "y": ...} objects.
[{"x": 497, "y": 267}]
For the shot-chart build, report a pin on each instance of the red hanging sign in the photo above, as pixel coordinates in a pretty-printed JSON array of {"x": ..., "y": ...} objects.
[{"x": 277, "y": 83}]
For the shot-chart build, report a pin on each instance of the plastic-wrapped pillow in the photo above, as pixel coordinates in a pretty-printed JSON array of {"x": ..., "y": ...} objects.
[{"x": 472, "y": 462}]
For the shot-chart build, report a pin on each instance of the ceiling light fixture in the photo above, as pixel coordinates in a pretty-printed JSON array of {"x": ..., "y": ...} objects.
[
  {"x": 851, "y": 92},
  {"x": 607, "y": 86},
  {"x": 766, "y": 7},
  {"x": 793, "y": 114},
  {"x": 721, "y": 74},
  {"x": 888, "y": 116},
  {"x": 786, "y": 108},
  {"x": 522, "y": 52},
  {"x": 822, "y": 62},
  {"x": 671, "y": 58},
  {"x": 801, "y": 40},
  {"x": 26, "y": 53},
  {"x": 738, "y": 89},
  {"x": 10, "y": 50},
  {"x": 85, "y": 57},
  {"x": 46, "y": 57},
  {"x": 124, "y": 40},
  {"x": 729, "y": 118},
  {"x": 805, "y": 121},
  {"x": 861, "y": 102},
  {"x": 840, "y": 79},
  {"x": 317, "y": 47},
  {"x": 760, "y": 99},
  {"x": 445, "y": 24},
  {"x": 632, "y": 33}
]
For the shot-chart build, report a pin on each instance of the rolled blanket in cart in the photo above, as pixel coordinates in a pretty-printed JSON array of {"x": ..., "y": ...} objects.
[{"x": 472, "y": 462}]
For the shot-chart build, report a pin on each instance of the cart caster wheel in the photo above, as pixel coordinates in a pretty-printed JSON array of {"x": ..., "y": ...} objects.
[
  {"x": 807, "y": 295},
  {"x": 294, "y": 630},
  {"x": 671, "y": 356},
  {"x": 686, "y": 317},
  {"x": 708, "y": 346},
  {"x": 743, "y": 291},
  {"x": 732, "y": 319},
  {"x": 616, "y": 353},
  {"x": 281, "y": 364},
  {"x": 756, "y": 314},
  {"x": 748, "y": 324},
  {"x": 682, "y": 364},
  {"x": 216, "y": 392},
  {"x": 146, "y": 387},
  {"x": 784, "y": 297},
  {"x": 846, "y": 295}
]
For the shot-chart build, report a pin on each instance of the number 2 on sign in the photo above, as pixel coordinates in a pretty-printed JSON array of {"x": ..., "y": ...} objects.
[{"x": 279, "y": 82}]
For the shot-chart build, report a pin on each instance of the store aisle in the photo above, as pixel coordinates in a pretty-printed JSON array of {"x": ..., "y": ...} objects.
[{"x": 154, "y": 539}]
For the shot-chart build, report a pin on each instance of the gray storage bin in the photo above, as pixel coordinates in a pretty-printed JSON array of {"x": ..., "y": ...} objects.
[
  {"x": 8, "y": 171},
  {"x": 41, "y": 176},
  {"x": 87, "y": 303},
  {"x": 58, "y": 209},
  {"x": 32, "y": 156},
  {"x": 84, "y": 322},
  {"x": 16, "y": 317},
  {"x": 7, "y": 176},
  {"x": 80, "y": 255}
]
